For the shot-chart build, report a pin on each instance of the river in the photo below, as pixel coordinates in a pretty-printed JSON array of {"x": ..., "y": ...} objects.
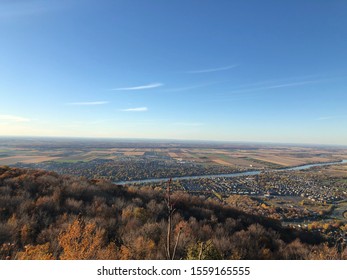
[{"x": 229, "y": 175}]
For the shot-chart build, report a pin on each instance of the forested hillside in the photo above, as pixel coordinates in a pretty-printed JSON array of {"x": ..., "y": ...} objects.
[{"x": 48, "y": 216}]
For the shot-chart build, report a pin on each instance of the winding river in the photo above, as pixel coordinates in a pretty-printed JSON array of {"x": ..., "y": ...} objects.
[{"x": 229, "y": 175}]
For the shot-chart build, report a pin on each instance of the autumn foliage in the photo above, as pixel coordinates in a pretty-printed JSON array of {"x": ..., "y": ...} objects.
[{"x": 48, "y": 216}]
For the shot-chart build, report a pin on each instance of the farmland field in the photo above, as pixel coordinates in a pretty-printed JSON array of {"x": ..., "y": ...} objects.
[
  {"x": 232, "y": 155},
  {"x": 294, "y": 197}
]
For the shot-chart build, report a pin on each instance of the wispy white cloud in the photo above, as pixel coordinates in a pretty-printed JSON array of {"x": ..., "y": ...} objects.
[
  {"x": 294, "y": 84},
  {"x": 281, "y": 82},
  {"x": 139, "y": 109},
  {"x": 91, "y": 103},
  {"x": 252, "y": 88},
  {"x": 212, "y": 69},
  {"x": 12, "y": 118},
  {"x": 324, "y": 118},
  {"x": 141, "y": 87}
]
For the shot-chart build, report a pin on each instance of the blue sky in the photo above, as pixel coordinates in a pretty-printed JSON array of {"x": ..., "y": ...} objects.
[{"x": 259, "y": 71}]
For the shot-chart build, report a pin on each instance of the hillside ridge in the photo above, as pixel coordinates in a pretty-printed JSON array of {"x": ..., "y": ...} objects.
[{"x": 44, "y": 215}]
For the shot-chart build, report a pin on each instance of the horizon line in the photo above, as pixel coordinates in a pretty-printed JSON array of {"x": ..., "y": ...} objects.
[{"x": 141, "y": 139}]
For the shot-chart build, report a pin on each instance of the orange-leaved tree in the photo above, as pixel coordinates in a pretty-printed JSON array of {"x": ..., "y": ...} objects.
[{"x": 85, "y": 241}]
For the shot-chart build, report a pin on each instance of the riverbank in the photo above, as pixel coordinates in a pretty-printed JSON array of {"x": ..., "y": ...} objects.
[{"x": 229, "y": 175}]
